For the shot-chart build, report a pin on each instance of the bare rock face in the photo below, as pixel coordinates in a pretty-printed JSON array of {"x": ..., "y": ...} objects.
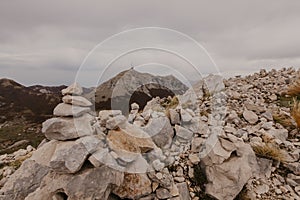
[
  {"x": 228, "y": 167},
  {"x": 95, "y": 183},
  {"x": 67, "y": 128},
  {"x": 134, "y": 186}
]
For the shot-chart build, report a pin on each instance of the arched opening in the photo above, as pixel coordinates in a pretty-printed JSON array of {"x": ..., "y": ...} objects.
[{"x": 147, "y": 92}]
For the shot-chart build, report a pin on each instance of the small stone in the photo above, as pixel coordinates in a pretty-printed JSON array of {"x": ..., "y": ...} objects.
[
  {"x": 174, "y": 116},
  {"x": 267, "y": 125},
  {"x": 250, "y": 116},
  {"x": 163, "y": 193},
  {"x": 179, "y": 179},
  {"x": 76, "y": 101},
  {"x": 135, "y": 106},
  {"x": 278, "y": 191},
  {"x": 294, "y": 167},
  {"x": 196, "y": 144},
  {"x": 194, "y": 158},
  {"x": 185, "y": 116},
  {"x": 115, "y": 122},
  {"x": 157, "y": 165},
  {"x": 30, "y": 148},
  {"x": 183, "y": 191},
  {"x": 183, "y": 133},
  {"x": 159, "y": 176},
  {"x": 273, "y": 97},
  {"x": 74, "y": 89},
  {"x": 261, "y": 189},
  {"x": 67, "y": 110}
]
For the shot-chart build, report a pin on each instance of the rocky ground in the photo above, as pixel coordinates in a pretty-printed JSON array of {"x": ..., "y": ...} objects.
[{"x": 224, "y": 139}]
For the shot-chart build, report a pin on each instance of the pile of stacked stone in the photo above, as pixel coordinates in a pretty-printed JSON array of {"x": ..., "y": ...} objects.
[
  {"x": 88, "y": 157},
  {"x": 56, "y": 169}
]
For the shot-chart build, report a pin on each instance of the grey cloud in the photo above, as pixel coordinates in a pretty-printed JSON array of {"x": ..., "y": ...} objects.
[{"x": 42, "y": 38}]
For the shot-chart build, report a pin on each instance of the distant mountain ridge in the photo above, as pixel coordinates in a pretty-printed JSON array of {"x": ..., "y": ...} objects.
[{"x": 34, "y": 102}]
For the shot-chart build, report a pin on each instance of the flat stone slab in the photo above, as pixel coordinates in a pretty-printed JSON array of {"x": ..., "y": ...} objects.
[{"x": 67, "y": 110}]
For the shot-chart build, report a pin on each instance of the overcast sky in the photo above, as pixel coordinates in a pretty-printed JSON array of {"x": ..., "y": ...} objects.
[{"x": 45, "y": 42}]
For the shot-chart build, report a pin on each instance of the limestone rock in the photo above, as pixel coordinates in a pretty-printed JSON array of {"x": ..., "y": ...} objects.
[
  {"x": 160, "y": 131},
  {"x": 74, "y": 89},
  {"x": 67, "y": 110},
  {"x": 104, "y": 115},
  {"x": 101, "y": 157},
  {"x": 281, "y": 134},
  {"x": 44, "y": 153},
  {"x": 294, "y": 167},
  {"x": 128, "y": 141},
  {"x": 163, "y": 193},
  {"x": 250, "y": 116},
  {"x": 77, "y": 101},
  {"x": 174, "y": 116},
  {"x": 183, "y": 191},
  {"x": 91, "y": 143},
  {"x": 115, "y": 122},
  {"x": 24, "y": 181},
  {"x": 183, "y": 133},
  {"x": 185, "y": 116},
  {"x": 66, "y": 128},
  {"x": 68, "y": 157},
  {"x": 134, "y": 186},
  {"x": 225, "y": 177},
  {"x": 95, "y": 183}
]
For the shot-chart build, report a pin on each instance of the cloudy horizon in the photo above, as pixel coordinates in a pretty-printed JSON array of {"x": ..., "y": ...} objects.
[{"x": 45, "y": 42}]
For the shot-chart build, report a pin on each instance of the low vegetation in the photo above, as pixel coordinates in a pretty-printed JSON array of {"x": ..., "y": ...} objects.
[
  {"x": 269, "y": 151},
  {"x": 15, "y": 132},
  {"x": 285, "y": 120},
  {"x": 295, "y": 112}
]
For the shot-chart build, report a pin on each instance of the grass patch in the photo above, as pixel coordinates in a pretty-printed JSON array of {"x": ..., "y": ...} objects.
[
  {"x": 269, "y": 151},
  {"x": 16, "y": 164},
  {"x": 285, "y": 101},
  {"x": 284, "y": 120},
  {"x": 15, "y": 132},
  {"x": 294, "y": 88},
  {"x": 295, "y": 112},
  {"x": 170, "y": 103}
]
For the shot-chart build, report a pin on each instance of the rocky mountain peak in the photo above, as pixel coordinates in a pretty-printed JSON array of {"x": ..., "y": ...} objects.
[{"x": 132, "y": 86}]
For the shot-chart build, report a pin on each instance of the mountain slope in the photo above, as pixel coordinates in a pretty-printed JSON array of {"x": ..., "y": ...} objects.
[
  {"x": 34, "y": 103},
  {"x": 132, "y": 86}
]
